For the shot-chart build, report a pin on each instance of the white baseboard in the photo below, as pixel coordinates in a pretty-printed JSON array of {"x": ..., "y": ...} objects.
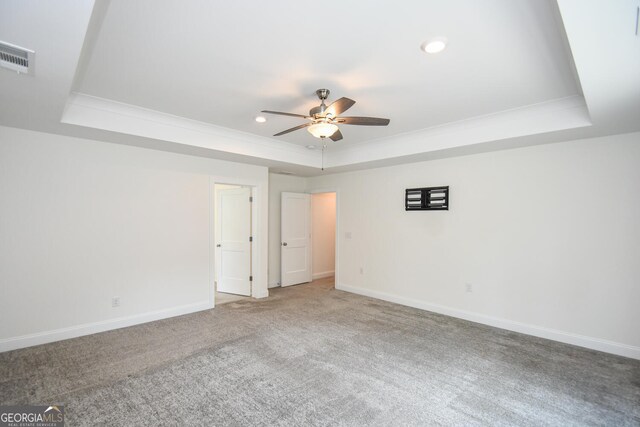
[
  {"x": 537, "y": 331},
  {"x": 323, "y": 274},
  {"x": 274, "y": 285},
  {"x": 264, "y": 294},
  {"x": 30, "y": 340}
]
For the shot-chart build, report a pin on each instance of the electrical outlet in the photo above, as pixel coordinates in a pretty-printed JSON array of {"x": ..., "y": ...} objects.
[
  {"x": 468, "y": 287},
  {"x": 115, "y": 302}
]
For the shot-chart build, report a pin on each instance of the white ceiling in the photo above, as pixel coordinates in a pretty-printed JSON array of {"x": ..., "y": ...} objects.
[
  {"x": 222, "y": 62},
  {"x": 190, "y": 76}
]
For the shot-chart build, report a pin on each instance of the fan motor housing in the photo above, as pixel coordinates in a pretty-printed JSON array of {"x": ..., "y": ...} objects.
[
  {"x": 322, "y": 94},
  {"x": 317, "y": 110}
]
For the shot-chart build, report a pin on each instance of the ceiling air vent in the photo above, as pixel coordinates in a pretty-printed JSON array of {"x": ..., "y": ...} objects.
[{"x": 16, "y": 58}]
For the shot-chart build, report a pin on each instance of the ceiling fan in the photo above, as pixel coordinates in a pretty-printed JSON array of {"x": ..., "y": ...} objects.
[{"x": 324, "y": 120}]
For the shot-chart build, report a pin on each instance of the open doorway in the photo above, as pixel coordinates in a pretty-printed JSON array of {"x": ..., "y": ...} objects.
[
  {"x": 233, "y": 243},
  {"x": 323, "y": 231},
  {"x": 308, "y": 238}
]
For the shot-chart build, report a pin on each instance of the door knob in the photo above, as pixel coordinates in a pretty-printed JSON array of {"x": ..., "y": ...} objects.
[
  {"x": 218, "y": 245},
  {"x": 284, "y": 244}
]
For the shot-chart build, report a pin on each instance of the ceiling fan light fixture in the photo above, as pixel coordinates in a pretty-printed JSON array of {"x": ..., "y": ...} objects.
[
  {"x": 434, "y": 45},
  {"x": 261, "y": 119},
  {"x": 322, "y": 130},
  {"x": 324, "y": 118}
]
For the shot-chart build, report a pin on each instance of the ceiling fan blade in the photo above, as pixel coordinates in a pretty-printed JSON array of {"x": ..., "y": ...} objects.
[
  {"x": 292, "y": 129},
  {"x": 339, "y": 107},
  {"x": 285, "y": 114},
  {"x": 364, "y": 121},
  {"x": 337, "y": 136}
]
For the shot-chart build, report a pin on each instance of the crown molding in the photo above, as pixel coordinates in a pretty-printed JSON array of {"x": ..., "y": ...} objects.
[
  {"x": 100, "y": 113},
  {"x": 105, "y": 114},
  {"x": 560, "y": 114}
]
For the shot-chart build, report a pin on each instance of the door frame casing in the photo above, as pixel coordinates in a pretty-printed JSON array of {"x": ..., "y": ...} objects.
[
  {"x": 258, "y": 191},
  {"x": 336, "y": 261}
]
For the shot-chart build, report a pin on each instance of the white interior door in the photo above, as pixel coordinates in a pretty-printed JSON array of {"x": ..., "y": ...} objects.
[
  {"x": 295, "y": 244},
  {"x": 233, "y": 245}
]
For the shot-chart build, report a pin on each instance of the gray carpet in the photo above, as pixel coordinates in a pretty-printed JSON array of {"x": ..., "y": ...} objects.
[{"x": 311, "y": 355}]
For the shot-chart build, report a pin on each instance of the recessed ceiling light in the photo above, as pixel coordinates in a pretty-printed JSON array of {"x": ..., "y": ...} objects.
[
  {"x": 261, "y": 119},
  {"x": 311, "y": 147},
  {"x": 434, "y": 45}
]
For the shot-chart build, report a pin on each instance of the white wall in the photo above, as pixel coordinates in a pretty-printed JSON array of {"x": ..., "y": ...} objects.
[
  {"x": 548, "y": 237},
  {"x": 277, "y": 184},
  {"x": 323, "y": 224},
  {"x": 84, "y": 221}
]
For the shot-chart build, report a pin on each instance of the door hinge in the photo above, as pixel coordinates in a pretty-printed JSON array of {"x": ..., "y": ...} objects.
[
  {"x": 250, "y": 199},
  {"x": 251, "y": 278},
  {"x": 251, "y": 238}
]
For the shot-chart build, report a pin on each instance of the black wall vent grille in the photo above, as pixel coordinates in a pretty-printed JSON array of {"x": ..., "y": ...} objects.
[{"x": 427, "y": 199}]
